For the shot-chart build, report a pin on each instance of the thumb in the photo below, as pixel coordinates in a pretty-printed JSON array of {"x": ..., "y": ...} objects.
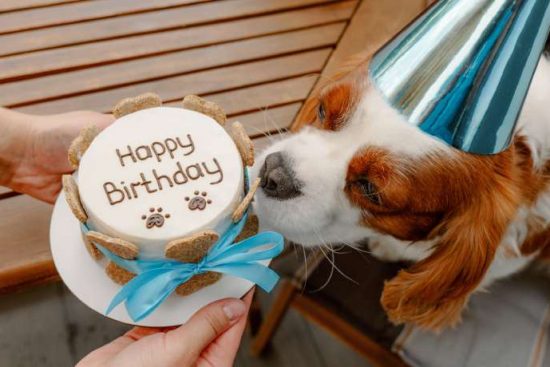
[{"x": 189, "y": 340}]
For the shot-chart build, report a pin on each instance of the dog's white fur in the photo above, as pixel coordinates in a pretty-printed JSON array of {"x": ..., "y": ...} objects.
[{"x": 320, "y": 160}]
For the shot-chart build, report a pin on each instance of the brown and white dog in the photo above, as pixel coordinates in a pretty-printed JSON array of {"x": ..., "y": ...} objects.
[{"x": 356, "y": 170}]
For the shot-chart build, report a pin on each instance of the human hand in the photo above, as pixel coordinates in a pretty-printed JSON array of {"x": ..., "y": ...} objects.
[
  {"x": 34, "y": 155},
  {"x": 210, "y": 338}
]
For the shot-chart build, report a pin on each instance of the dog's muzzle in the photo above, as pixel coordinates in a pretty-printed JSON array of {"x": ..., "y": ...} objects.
[{"x": 278, "y": 180}]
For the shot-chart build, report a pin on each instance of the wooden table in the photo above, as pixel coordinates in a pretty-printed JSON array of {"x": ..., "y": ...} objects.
[{"x": 259, "y": 59}]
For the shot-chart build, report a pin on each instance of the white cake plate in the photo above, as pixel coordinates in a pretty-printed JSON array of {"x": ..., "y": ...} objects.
[{"x": 87, "y": 280}]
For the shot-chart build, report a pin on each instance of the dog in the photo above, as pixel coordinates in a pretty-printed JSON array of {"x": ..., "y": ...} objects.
[{"x": 356, "y": 171}]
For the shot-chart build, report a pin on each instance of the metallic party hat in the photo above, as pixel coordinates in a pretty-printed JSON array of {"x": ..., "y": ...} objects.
[{"x": 462, "y": 70}]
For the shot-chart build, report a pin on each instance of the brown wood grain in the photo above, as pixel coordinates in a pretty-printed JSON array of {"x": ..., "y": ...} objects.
[
  {"x": 67, "y": 58},
  {"x": 263, "y": 109},
  {"x": 24, "y": 243},
  {"x": 143, "y": 23},
  {"x": 373, "y": 24},
  {"x": 81, "y": 11},
  {"x": 265, "y": 95},
  {"x": 205, "y": 82},
  {"x": 131, "y": 72},
  {"x": 261, "y": 97},
  {"x": 269, "y": 122},
  {"x": 13, "y": 5}
]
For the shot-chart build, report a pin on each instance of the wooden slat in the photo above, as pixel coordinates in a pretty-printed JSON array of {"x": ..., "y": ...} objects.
[
  {"x": 81, "y": 11},
  {"x": 24, "y": 243},
  {"x": 262, "y": 96},
  {"x": 144, "y": 23},
  {"x": 4, "y": 190},
  {"x": 73, "y": 57},
  {"x": 260, "y": 144},
  {"x": 13, "y": 5},
  {"x": 205, "y": 82},
  {"x": 269, "y": 122},
  {"x": 262, "y": 109},
  {"x": 108, "y": 76},
  {"x": 373, "y": 24}
]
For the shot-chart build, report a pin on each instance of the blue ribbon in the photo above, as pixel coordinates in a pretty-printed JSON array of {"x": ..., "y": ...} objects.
[{"x": 155, "y": 280}]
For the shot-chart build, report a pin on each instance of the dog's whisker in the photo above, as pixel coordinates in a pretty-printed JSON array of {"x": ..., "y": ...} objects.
[
  {"x": 317, "y": 233},
  {"x": 272, "y": 121},
  {"x": 356, "y": 248},
  {"x": 305, "y": 268},
  {"x": 338, "y": 269},
  {"x": 329, "y": 276}
]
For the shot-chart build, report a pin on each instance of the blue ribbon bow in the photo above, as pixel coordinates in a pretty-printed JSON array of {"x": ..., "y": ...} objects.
[{"x": 155, "y": 280}]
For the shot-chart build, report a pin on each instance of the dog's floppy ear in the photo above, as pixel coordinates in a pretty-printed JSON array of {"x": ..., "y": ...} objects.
[
  {"x": 433, "y": 292},
  {"x": 307, "y": 114}
]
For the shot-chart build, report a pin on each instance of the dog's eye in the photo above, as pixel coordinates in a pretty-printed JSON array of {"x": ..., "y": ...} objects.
[
  {"x": 369, "y": 190},
  {"x": 321, "y": 112}
]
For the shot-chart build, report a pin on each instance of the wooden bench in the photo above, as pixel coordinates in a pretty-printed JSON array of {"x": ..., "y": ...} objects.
[{"x": 259, "y": 59}]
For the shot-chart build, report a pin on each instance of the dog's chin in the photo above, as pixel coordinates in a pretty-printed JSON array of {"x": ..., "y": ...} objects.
[{"x": 301, "y": 223}]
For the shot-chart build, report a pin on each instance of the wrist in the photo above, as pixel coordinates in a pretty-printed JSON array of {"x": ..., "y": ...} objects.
[{"x": 17, "y": 130}]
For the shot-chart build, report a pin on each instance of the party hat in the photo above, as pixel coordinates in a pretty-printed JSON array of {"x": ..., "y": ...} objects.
[{"x": 462, "y": 70}]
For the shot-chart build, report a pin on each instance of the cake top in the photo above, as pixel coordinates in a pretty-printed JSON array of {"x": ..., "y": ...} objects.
[{"x": 159, "y": 174}]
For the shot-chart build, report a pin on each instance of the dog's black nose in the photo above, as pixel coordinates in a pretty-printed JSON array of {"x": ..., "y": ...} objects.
[{"x": 277, "y": 178}]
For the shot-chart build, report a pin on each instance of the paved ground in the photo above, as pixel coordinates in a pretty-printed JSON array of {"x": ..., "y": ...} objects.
[{"x": 47, "y": 326}]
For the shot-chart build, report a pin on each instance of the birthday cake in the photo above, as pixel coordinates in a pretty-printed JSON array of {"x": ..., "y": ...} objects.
[{"x": 160, "y": 182}]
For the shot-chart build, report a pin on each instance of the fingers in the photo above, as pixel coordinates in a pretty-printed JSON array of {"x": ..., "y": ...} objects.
[
  {"x": 247, "y": 299},
  {"x": 222, "y": 352},
  {"x": 104, "y": 120},
  {"x": 140, "y": 332},
  {"x": 188, "y": 341}
]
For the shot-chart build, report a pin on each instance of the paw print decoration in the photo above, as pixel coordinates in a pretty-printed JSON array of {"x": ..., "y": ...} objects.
[
  {"x": 155, "y": 218},
  {"x": 199, "y": 201}
]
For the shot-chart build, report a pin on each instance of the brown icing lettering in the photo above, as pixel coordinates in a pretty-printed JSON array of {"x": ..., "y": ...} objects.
[
  {"x": 143, "y": 149},
  {"x": 126, "y": 191},
  {"x": 171, "y": 146},
  {"x": 194, "y": 171},
  {"x": 111, "y": 189},
  {"x": 133, "y": 186},
  {"x": 190, "y": 145},
  {"x": 218, "y": 171},
  {"x": 179, "y": 177},
  {"x": 157, "y": 181},
  {"x": 129, "y": 154},
  {"x": 158, "y": 178},
  {"x": 146, "y": 183},
  {"x": 158, "y": 149}
]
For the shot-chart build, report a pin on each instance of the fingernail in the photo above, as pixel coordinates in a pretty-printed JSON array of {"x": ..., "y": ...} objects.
[{"x": 234, "y": 309}]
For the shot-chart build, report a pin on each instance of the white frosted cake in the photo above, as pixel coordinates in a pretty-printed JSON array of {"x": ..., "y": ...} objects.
[
  {"x": 162, "y": 190},
  {"x": 160, "y": 174}
]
